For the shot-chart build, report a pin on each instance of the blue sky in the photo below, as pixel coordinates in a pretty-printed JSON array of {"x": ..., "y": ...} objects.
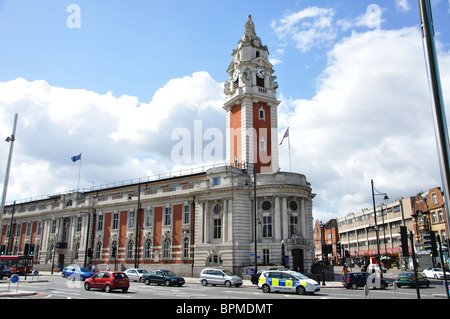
[{"x": 351, "y": 80}]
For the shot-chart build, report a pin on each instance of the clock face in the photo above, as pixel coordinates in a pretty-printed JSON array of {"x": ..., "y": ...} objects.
[{"x": 260, "y": 72}]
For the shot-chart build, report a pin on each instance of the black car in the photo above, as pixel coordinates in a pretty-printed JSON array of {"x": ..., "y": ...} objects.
[
  {"x": 5, "y": 271},
  {"x": 359, "y": 279},
  {"x": 163, "y": 277}
]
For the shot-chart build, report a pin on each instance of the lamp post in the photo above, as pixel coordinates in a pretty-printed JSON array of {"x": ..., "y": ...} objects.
[
  {"x": 9, "y": 139},
  {"x": 322, "y": 241},
  {"x": 375, "y": 218},
  {"x": 254, "y": 211},
  {"x": 138, "y": 228}
]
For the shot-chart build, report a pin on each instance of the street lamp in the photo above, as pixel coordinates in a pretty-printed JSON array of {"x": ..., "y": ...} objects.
[
  {"x": 138, "y": 228},
  {"x": 375, "y": 218},
  {"x": 322, "y": 241}
]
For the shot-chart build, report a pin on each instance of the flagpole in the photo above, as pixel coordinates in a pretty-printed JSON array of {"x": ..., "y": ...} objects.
[
  {"x": 289, "y": 147},
  {"x": 79, "y": 174}
]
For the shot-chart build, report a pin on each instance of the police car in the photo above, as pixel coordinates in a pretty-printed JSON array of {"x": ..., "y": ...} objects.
[{"x": 287, "y": 281}]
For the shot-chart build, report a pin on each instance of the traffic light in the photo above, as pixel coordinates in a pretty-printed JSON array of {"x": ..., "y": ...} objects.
[
  {"x": 26, "y": 249},
  {"x": 429, "y": 242},
  {"x": 89, "y": 252},
  {"x": 404, "y": 241},
  {"x": 339, "y": 249},
  {"x": 2, "y": 250},
  {"x": 113, "y": 251},
  {"x": 31, "y": 250}
]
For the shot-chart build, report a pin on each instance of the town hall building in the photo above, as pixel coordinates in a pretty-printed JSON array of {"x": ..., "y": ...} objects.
[{"x": 229, "y": 215}]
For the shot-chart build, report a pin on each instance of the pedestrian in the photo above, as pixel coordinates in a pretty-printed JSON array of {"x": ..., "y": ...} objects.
[
  {"x": 108, "y": 267},
  {"x": 93, "y": 268}
]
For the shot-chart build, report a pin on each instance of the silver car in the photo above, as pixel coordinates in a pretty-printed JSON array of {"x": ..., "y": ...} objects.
[
  {"x": 136, "y": 274},
  {"x": 216, "y": 276}
]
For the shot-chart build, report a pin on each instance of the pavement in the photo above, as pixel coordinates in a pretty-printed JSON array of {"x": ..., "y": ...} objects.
[{"x": 10, "y": 289}]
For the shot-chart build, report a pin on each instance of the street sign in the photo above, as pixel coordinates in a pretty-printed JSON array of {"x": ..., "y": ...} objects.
[
  {"x": 250, "y": 271},
  {"x": 14, "y": 278}
]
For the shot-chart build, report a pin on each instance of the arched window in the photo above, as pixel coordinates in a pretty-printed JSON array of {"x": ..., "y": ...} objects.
[
  {"x": 167, "y": 248},
  {"x": 148, "y": 249},
  {"x": 130, "y": 247},
  {"x": 98, "y": 250}
]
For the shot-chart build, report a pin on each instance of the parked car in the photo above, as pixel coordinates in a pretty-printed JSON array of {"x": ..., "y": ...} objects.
[
  {"x": 163, "y": 277},
  {"x": 436, "y": 273},
  {"x": 107, "y": 281},
  {"x": 135, "y": 274},
  {"x": 5, "y": 271},
  {"x": 216, "y": 276},
  {"x": 76, "y": 272},
  {"x": 407, "y": 279},
  {"x": 286, "y": 280},
  {"x": 354, "y": 280}
]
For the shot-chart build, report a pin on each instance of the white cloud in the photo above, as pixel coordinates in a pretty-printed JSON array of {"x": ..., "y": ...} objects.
[
  {"x": 120, "y": 137},
  {"x": 370, "y": 119},
  {"x": 308, "y": 28},
  {"x": 402, "y": 5}
]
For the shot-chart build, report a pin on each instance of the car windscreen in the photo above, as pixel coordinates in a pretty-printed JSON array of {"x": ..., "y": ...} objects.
[{"x": 228, "y": 273}]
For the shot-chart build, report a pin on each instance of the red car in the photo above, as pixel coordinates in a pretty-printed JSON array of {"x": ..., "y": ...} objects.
[{"x": 108, "y": 280}]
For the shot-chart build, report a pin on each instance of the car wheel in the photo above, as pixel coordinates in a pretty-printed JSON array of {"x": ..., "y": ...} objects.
[
  {"x": 204, "y": 283},
  {"x": 147, "y": 281},
  {"x": 87, "y": 286},
  {"x": 124, "y": 289},
  {"x": 227, "y": 284},
  {"x": 108, "y": 288},
  {"x": 354, "y": 286},
  {"x": 301, "y": 290},
  {"x": 266, "y": 288},
  {"x": 167, "y": 283}
]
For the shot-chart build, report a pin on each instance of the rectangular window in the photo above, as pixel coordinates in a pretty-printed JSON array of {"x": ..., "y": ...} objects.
[
  {"x": 79, "y": 223},
  {"x": 53, "y": 227},
  {"x": 434, "y": 196},
  {"x": 293, "y": 225},
  {"x": 216, "y": 181},
  {"x": 28, "y": 229},
  {"x": 267, "y": 226},
  {"x": 187, "y": 214},
  {"x": 100, "y": 222},
  {"x": 167, "y": 216},
  {"x": 130, "y": 219},
  {"x": 39, "y": 228},
  {"x": 148, "y": 218},
  {"x": 217, "y": 228},
  {"x": 115, "y": 221}
]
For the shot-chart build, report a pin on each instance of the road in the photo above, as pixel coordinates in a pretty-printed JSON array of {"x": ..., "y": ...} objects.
[{"x": 55, "y": 287}]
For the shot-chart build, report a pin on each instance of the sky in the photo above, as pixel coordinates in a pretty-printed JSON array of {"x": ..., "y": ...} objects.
[{"x": 119, "y": 81}]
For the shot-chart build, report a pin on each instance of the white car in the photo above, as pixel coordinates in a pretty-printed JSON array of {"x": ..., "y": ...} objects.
[
  {"x": 436, "y": 273},
  {"x": 136, "y": 274},
  {"x": 287, "y": 281}
]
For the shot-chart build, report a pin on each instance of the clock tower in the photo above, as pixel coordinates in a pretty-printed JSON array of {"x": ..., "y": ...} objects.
[{"x": 251, "y": 106}]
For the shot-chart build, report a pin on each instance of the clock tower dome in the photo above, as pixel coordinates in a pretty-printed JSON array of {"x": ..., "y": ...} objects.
[{"x": 251, "y": 106}]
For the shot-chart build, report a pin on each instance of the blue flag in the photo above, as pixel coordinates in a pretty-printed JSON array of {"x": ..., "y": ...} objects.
[{"x": 76, "y": 158}]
